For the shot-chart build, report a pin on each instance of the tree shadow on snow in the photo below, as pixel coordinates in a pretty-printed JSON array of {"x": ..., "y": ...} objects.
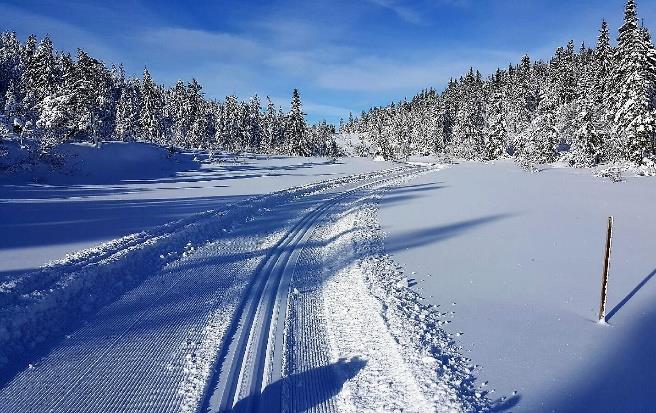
[
  {"x": 305, "y": 390},
  {"x": 416, "y": 238}
]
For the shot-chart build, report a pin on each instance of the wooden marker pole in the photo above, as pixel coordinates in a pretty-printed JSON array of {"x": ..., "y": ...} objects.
[{"x": 604, "y": 276}]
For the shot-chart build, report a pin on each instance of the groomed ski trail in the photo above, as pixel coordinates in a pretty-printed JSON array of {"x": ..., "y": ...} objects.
[
  {"x": 251, "y": 364},
  {"x": 155, "y": 348}
]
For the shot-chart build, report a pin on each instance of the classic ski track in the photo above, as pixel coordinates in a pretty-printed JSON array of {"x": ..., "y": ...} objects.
[{"x": 252, "y": 355}]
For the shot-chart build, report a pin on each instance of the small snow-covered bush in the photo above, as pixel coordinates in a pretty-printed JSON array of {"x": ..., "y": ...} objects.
[
  {"x": 614, "y": 173},
  {"x": 648, "y": 167}
]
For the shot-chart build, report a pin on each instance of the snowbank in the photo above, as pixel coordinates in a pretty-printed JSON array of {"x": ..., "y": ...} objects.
[{"x": 84, "y": 163}]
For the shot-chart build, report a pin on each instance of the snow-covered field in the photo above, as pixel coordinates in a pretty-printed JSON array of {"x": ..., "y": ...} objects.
[
  {"x": 366, "y": 286},
  {"x": 517, "y": 258},
  {"x": 99, "y": 195}
]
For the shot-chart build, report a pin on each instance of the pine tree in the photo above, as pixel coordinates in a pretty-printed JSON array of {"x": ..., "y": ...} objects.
[
  {"x": 91, "y": 97},
  {"x": 469, "y": 124},
  {"x": 177, "y": 112},
  {"x": 150, "y": 118},
  {"x": 271, "y": 130},
  {"x": 633, "y": 95},
  {"x": 196, "y": 114},
  {"x": 40, "y": 74},
  {"x": 602, "y": 65},
  {"x": 9, "y": 63},
  {"x": 296, "y": 129},
  {"x": 127, "y": 112},
  {"x": 587, "y": 146},
  {"x": 254, "y": 123},
  {"x": 13, "y": 108}
]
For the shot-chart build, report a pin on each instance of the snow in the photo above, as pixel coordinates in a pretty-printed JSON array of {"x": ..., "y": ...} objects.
[
  {"x": 97, "y": 195},
  {"x": 478, "y": 289},
  {"x": 156, "y": 344},
  {"x": 521, "y": 254}
]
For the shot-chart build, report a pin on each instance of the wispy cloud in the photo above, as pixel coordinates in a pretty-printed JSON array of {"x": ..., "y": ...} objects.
[
  {"x": 375, "y": 74},
  {"x": 404, "y": 12},
  {"x": 414, "y": 11}
]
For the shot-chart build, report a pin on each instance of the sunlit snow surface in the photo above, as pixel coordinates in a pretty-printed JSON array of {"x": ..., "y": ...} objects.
[
  {"x": 511, "y": 259},
  {"x": 518, "y": 257}
]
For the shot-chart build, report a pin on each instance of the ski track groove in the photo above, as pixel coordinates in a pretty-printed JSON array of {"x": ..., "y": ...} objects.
[
  {"x": 241, "y": 389},
  {"x": 306, "y": 345}
]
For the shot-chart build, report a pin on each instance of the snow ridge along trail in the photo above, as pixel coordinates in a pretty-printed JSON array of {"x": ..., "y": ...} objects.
[{"x": 253, "y": 356}]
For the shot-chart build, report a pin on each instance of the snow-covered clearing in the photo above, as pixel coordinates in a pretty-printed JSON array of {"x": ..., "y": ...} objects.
[
  {"x": 199, "y": 314},
  {"x": 517, "y": 258},
  {"x": 121, "y": 188}
]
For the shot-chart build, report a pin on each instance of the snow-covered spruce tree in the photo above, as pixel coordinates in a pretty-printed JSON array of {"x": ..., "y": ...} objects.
[
  {"x": 296, "y": 135},
  {"x": 126, "y": 127},
  {"x": 632, "y": 91},
  {"x": 602, "y": 67},
  {"x": 13, "y": 107},
  {"x": 91, "y": 98},
  {"x": 230, "y": 127},
  {"x": 25, "y": 84},
  {"x": 539, "y": 143},
  {"x": 271, "y": 130},
  {"x": 150, "y": 118},
  {"x": 37, "y": 77},
  {"x": 57, "y": 120},
  {"x": 469, "y": 121},
  {"x": 495, "y": 132},
  {"x": 587, "y": 143},
  {"x": 176, "y": 108},
  {"x": 9, "y": 62},
  {"x": 197, "y": 116},
  {"x": 254, "y": 124}
]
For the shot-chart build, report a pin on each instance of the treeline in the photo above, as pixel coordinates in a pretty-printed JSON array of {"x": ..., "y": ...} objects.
[
  {"x": 51, "y": 98},
  {"x": 584, "y": 106}
]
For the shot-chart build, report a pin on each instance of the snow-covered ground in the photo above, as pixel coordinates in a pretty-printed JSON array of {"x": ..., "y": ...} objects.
[
  {"x": 517, "y": 258},
  {"x": 102, "y": 194},
  {"x": 352, "y": 291},
  {"x": 198, "y": 314}
]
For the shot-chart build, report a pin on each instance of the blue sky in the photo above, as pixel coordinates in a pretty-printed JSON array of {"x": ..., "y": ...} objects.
[{"x": 344, "y": 55}]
